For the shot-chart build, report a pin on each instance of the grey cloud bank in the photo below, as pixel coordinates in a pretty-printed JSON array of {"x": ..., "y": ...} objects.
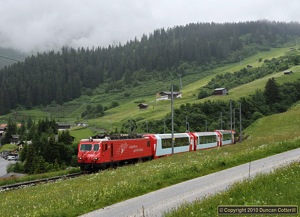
[{"x": 34, "y": 25}]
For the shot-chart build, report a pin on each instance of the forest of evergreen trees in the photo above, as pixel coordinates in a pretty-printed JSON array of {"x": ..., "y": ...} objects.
[{"x": 62, "y": 76}]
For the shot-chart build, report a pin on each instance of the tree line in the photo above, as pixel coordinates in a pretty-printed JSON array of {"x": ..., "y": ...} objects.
[
  {"x": 248, "y": 74},
  {"x": 67, "y": 74},
  {"x": 44, "y": 149},
  {"x": 212, "y": 115}
]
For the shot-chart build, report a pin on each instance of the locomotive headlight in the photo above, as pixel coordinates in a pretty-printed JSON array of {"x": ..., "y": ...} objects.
[
  {"x": 80, "y": 158},
  {"x": 95, "y": 159}
]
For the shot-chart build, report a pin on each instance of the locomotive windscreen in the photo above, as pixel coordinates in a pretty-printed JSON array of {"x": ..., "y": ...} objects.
[
  {"x": 85, "y": 147},
  {"x": 96, "y": 147}
]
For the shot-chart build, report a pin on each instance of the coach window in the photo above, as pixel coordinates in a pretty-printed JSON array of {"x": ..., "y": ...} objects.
[
  {"x": 226, "y": 136},
  {"x": 166, "y": 143},
  {"x": 96, "y": 147},
  {"x": 208, "y": 139},
  {"x": 182, "y": 142}
]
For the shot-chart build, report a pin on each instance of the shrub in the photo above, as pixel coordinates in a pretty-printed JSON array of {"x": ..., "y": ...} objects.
[{"x": 18, "y": 167}]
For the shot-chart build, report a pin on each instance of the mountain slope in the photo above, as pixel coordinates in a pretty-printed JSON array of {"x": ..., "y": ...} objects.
[
  {"x": 163, "y": 56},
  {"x": 115, "y": 117},
  {"x": 128, "y": 109}
]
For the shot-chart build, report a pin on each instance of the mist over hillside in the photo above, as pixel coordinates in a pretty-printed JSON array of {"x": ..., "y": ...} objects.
[{"x": 10, "y": 56}]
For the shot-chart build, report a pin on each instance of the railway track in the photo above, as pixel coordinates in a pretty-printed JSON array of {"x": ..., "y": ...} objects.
[{"x": 38, "y": 181}]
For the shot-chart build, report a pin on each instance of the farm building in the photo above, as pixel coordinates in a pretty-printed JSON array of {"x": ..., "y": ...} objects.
[
  {"x": 220, "y": 91},
  {"x": 14, "y": 139},
  {"x": 61, "y": 126},
  {"x": 142, "y": 106},
  {"x": 287, "y": 72},
  {"x": 167, "y": 95}
]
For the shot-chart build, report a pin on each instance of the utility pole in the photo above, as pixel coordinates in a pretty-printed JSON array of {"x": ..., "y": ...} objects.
[
  {"x": 147, "y": 126},
  {"x": 187, "y": 124},
  {"x": 172, "y": 117},
  {"x": 221, "y": 121},
  {"x": 234, "y": 119},
  {"x": 241, "y": 133},
  {"x": 180, "y": 82},
  {"x": 230, "y": 115}
]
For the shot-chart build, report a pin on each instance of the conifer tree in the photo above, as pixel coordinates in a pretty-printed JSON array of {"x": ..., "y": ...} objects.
[{"x": 272, "y": 92}]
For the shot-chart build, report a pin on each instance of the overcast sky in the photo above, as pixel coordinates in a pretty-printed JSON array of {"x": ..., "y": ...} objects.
[{"x": 41, "y": 25}]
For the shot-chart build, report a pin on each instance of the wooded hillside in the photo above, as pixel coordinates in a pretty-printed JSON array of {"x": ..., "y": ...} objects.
[{"x": 62, "y": 76}]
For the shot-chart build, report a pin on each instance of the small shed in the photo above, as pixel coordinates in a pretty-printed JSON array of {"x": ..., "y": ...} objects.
[
  {"x": 14, "y": 139},
  {"x": 168, "y": 95},
  {"x": 220, "y": 91},
  {"x": 61, "y": 126},
  {"x": 82, "y": 125},
  {"x": 142, "y": 106},
  {"x": 287, "y": 72}
]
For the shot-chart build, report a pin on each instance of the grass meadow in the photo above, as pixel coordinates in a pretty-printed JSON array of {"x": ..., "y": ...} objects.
[
  {"x": 81, "y": 133},
  {"x": 8, "y": 147},
  {"x": 73, "y": 197},
  {"x": 281, "y": 187}
]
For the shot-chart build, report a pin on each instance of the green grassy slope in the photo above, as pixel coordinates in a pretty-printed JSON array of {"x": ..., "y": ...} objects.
[
  {"x": 157, "y": 110},
  {"x": 276, "y": 128}
]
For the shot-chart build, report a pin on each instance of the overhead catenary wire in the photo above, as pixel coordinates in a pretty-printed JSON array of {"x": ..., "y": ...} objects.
[{"x": 8, "y": 58}]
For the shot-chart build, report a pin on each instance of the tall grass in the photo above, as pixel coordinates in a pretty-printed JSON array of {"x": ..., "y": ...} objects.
[
  {"x": 13, "y": 179},
  {"x": 281, "y": 187}
]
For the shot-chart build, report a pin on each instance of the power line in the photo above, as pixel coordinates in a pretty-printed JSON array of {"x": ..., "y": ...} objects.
[{"x": 8, "y": 58}]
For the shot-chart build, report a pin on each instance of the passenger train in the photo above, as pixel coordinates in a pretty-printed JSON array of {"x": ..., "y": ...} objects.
[{"x": 107, "y": 151}]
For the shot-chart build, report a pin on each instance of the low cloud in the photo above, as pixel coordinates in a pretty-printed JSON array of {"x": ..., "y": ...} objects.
[{"x": 34, "y": 25}]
